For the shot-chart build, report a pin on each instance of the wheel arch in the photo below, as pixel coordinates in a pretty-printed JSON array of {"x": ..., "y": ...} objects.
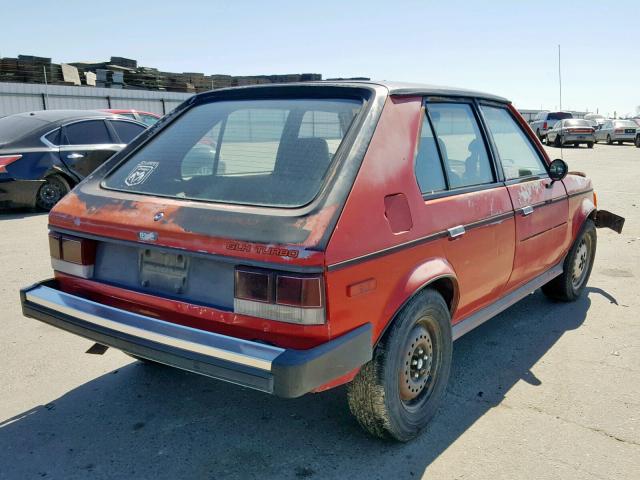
[
  {"x": 435, "y": 273},
  {"x": 586, "y": 209}
]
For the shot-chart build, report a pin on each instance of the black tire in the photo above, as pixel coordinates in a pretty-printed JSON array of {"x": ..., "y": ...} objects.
[
  {"x": 420, "y": 333},
  {"x": 609, "y": 142},
  {"x": 51, "y": 192},
  {"x": 637, "y": 142},
  {"x": 540, "y": 137},
  {"x": 558, "y": 141},
  {"x": 590, "y": 145},
  {"x": 577, "y": 267},
  {"x": 619, "y": 142}
]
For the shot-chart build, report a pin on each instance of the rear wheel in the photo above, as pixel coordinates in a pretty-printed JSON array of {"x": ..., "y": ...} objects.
[
  {"x": 397, "y": 393},
  {"x": 637, "y": 142},
  {"x": 558, "y": 142},
  {"x": 619, "y": 142},
  {"x": 51, "y": 192},
  {"x": 590, "y": 145},
  {"x": 609, "y": 142},
  {"x": 577, "y": 267}
]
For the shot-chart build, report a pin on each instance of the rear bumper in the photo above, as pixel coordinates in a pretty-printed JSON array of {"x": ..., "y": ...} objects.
[
  {"x": 283, "y": 372},
  {"x": 19, "y": 193},
  {"x": 626, "y": 137},
  {"x": 579, "y": 138}
]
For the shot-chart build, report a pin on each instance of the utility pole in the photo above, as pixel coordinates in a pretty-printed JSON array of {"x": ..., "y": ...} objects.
[
  {"x": 560, "y": 77},
  {"x": 46, "y": 89}
]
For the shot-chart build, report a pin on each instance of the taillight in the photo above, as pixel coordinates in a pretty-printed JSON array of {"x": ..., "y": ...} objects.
[
  {"x": 544, "y": 126},
  {"x": 72, "y": 255},
  {"x": 299, "y": 291},
  {"x": 286, "y": 297},
  {"x": 6, "y": 160}
]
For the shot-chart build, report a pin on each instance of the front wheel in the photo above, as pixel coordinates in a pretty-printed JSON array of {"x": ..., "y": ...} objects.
[
  {"x": 609, "y": 142},
  {"x": 590, "y": 145},
  {"x": 397, "y": 393},
  {"x": 558, "y": 142},
  {"x": 637, "y": 142},
  {"x": 619, "y": 142},
  {"x": 577, "y": 267},
  {"x": 51, "y": 192}
]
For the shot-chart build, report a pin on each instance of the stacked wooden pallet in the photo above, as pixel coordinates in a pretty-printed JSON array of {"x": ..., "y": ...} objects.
[{"x": 120, "y": 72}]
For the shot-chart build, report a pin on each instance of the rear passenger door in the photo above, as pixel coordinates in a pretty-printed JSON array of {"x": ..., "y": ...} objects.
[
  {"x": 541, "y": 208},
  {"x": 463, "y": 193},
  {"x": 86, "y": 145}
]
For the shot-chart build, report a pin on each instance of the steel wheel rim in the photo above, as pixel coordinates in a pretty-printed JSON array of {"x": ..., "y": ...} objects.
[
  {"x": 580, "y": 264},
  {"x": 49, "y": 194},
  {"x": 419, "y": 365}
]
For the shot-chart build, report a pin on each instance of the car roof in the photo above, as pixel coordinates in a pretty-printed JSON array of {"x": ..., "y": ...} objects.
[
  {"x": 393, "y": 88},
  {"x": 129, "y": 110},
  {"x": 58, "y": 116}
]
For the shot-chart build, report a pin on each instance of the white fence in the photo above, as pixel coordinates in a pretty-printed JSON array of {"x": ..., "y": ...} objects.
[{"x": 25, "y": 97}]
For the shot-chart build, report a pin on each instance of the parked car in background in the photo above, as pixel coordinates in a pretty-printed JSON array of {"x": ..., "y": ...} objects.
[
  {"x": 544, "y": 121},
  {"x": 43, "y": 154},
  {"x": 595, "y": 119},
  {"x": 356, "y": 230},
  {"x": 617, "y": 131},
  {"x": 147, "y": 118},
  {"x": 571, "y": 132}
]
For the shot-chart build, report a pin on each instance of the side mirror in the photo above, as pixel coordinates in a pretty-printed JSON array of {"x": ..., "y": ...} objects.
[{"x": 557, "y": 170}]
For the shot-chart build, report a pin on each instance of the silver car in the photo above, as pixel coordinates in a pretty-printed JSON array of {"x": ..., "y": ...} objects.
[
  {"x": 544, "y": 121},
  {"x": 617, "y": 131},
  {"x": 571, "y": 132}
]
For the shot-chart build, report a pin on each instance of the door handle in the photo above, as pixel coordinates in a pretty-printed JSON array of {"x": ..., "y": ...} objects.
[
  {"x": 528, "y": 210},
  {"x": 74, "y": 156},
  {"x": 455, "y": 232}
]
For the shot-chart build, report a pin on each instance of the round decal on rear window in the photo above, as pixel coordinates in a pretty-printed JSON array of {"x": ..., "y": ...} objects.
[{"x": 140, "y": 173}]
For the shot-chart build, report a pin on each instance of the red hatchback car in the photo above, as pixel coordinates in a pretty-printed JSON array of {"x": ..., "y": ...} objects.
[{"x": 330, "y": 233}]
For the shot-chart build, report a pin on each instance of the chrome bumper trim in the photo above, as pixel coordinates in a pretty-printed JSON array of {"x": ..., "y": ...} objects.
[{"x": 244, "y": 352}]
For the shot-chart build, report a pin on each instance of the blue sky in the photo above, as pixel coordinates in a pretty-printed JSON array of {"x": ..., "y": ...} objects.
[{"x": 504, "y": 47}]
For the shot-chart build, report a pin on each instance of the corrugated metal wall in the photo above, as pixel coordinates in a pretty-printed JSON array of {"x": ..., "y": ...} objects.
[{"x": 24, "y": 97}]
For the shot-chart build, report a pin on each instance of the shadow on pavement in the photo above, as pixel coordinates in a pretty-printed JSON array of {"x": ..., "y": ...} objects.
[
  {"x": 17, "y": 213},
  {"x": 146, "y": 421}
]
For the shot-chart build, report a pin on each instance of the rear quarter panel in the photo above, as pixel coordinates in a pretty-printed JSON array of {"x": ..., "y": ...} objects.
[{"x": 363, "y": 228}]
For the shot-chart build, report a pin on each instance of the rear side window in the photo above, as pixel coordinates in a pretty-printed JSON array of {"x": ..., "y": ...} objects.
[
  {"x": 272, "y": 152},
  {"x": 518, "y": 156},
  {"x": 428, "y": 168},
  {"x": 54, "y": 137},
  {"x": 91, "y": 132},
  {"x": 127, "y": 131},
  {"x": 464, "y": 154}
]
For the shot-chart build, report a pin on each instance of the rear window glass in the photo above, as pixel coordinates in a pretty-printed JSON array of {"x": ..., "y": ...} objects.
[
  {"x": 559, "y": 116},
  {"x": 626, "y": 123},
  {"x": 577, "y": 123},
  {"x": 272, "y": 152},
  {"x": 14, "y": 127}
]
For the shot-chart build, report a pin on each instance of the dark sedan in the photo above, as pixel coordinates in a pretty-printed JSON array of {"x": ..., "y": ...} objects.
[{"x": 44, "y": 154}]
